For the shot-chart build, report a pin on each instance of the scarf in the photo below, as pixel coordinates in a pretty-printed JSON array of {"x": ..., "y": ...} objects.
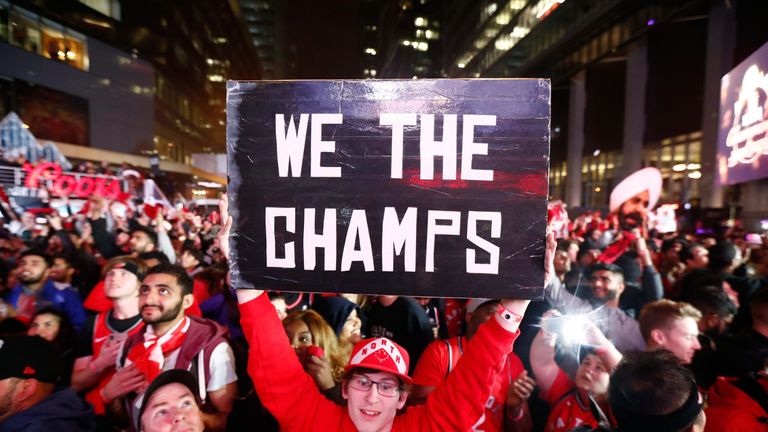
[
  {"x": 617, "y": 248},
  {"x": 149, "y": 357}
]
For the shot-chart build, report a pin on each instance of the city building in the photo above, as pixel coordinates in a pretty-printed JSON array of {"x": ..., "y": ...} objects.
[{"x": 633, "y": 84}]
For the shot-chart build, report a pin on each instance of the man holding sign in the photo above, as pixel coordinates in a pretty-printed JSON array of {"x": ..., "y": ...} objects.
[{"x": 375, "y": 380}]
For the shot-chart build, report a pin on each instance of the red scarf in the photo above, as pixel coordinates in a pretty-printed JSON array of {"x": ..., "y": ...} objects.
[
  {"x": 148, "y": 357},
  {"x": 617, "y": 248}
]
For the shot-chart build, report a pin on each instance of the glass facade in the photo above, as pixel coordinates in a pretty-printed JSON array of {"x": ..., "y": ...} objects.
[{"x": 33, "y": 33}]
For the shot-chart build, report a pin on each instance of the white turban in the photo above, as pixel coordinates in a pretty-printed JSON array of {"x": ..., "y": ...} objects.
[{"x": 645, "y": 179}]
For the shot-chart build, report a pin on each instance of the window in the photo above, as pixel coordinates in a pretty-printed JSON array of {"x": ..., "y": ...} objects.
[
  {"x": 110, "y": 8},
  {"x": 24, "y": 32},
  {"x": 47, "y": 38}
]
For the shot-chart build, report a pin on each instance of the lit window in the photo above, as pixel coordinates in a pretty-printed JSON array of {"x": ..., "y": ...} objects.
[
  {"x": 370, "y": 51},
  {"x": 215, "y": 78},
  {"x": 422, "y": 46},
  {"x": 420, "y": 22},
  {"x": 461, "y": 65}
]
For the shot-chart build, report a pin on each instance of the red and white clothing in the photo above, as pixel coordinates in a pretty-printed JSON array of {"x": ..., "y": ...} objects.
[
  {"x": 99, "y": 334},
  {"x": 438, "y": 361},
  {"x": 568, "y": 411},
  {"x": 291, "y": 395}
]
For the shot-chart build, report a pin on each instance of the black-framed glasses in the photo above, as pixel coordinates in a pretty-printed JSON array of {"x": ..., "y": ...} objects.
[{"x": 363, "y": 383}]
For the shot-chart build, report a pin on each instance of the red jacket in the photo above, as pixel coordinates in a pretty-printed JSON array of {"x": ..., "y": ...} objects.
[
  {"x": 732, "y": 410},
  {"x": 291, "y": 396}
]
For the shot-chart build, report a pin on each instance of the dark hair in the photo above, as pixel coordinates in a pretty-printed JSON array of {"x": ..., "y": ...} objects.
[
  {"x": 669, "y": 244},
  {"x": 66, "y": 257},
  {"x": 687, "y": 252},
  {"x": 710, "y": 299},
  {"x": 182, "y": 278},
  {"x": 66, "y": 338},
  {"x": 721, "y": 255},
  {"x": 38, "y": 253},
  {"x": 196, "y": 254},
  {"x": 215, "y": 277},
  {"x": 652, "y": 390},
  {"x": 152, "y": 234},
  {"x": 155, "y": 254}
]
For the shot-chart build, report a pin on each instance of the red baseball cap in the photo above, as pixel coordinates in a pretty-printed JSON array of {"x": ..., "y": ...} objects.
[{"x": 381, "y": 354}]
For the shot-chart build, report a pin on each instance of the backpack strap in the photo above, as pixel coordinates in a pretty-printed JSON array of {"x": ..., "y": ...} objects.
[{"x": 756, "y": 392}]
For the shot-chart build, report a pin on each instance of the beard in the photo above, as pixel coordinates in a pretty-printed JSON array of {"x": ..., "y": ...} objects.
[
  {"x": 630, "y": 221},
  {"x": 31, "y": 278},
  {"x": 599, "y": 301},
  {"x": 165, "y": 315}
]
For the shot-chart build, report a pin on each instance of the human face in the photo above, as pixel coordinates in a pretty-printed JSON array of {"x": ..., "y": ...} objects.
[
  {"x": 350, "y": 333},
  {"x": 140, "y": 242},
  {"x": 634, "y": 211},
  {"x": 188, "y": 261},
  {"x": 592, "y": 376},
  {"x": 681, "y": 338},
  {"x": 120, "y": 283},
  {"x": 562, "y": 262},
  {"x": 60, "y": 271},
  {"x": 172, "y": 408},
  {"x": 369, "y": 410},
  {"x": 32, "y": 269},
  {"x": 280, "y": 306},
  {"x": 8, "y": 400},
  {"x": 298, "y": 334},
  {"x": 46, "y": 326},
  {"x": 161, "y": 299},
  {"x": 699, "y": 259},
  {"x": 606, "y": 286}
]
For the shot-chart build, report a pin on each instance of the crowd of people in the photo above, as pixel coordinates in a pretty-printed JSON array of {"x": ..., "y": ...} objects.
[{"x": 126, "y": 320}]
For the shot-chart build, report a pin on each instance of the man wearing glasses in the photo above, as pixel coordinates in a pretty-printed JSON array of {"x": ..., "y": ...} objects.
[{"x": 377, "y": 373}]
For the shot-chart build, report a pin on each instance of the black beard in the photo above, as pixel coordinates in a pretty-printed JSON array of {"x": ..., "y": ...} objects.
[
  {"x": 629, "y": 225},
  {"x": 596, "y": 302},
  {"x": 165, "y": 315}
]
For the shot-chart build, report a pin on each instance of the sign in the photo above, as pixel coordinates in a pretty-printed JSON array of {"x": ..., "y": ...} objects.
[
  {"x": 742, "y": 153},
  {"x": 64, "y": 185},
  {"x": 422, "y": 188}
]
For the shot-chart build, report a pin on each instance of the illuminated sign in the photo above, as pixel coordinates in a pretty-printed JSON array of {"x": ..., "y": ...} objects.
[
  {"x": 743, "y": 136},
  {"x": 65, "y": 185}
]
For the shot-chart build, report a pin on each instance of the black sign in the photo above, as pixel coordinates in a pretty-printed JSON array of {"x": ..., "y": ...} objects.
[{"x": 422, "y": 188}]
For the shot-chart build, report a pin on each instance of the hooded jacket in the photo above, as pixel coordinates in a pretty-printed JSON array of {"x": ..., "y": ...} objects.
[{"x": 62, "y": 411}]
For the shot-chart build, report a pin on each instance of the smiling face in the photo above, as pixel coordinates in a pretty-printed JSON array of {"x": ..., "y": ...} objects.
[
  {"x": 368, "y": 409},
  {"x": 634, "y": 211},
  {"x": 32, "y": 269},
  {"x": 172, "y": 408},
  {"x": 350, "y": 333},
  {"x": 606, "y": 286}
]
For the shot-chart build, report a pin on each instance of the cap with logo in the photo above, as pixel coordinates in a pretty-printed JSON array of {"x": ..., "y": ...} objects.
[
  {"x": 380, "y": 354},
  {"x": 29, "y": 357}
]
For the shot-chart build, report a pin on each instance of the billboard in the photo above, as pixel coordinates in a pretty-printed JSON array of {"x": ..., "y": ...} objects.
[
  {"x": 411, "y": 187},
  {"x": 742, "y": 153}
]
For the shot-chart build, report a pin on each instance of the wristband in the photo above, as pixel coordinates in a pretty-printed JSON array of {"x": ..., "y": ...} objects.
[{"x": 508, "y": 315}]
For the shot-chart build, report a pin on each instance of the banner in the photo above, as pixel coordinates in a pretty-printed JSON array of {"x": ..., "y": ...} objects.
[{"x": 413, "y": 187}]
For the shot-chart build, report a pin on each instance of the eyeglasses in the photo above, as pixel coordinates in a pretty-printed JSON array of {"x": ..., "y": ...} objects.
[{"x": 363, "y": 383}]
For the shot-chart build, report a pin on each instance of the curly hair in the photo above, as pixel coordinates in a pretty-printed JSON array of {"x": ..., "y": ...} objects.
[{"x": 324, "y": 337}]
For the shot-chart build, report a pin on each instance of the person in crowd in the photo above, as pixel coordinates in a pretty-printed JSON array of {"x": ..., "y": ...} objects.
[
  {"x": 145, "y": 239},
  {"x": 278, "y": 301},
  {"x": 562, "y": 264},
  {"x": 744, "y": 353},
  {"x": 506, "y": 408},
  {"x": 724, "y": 258},
  {"x": 573, "y": 400},
  {"x": 53, "y": 325},
  {"x": 35, "y": 290},
  {"x": 402, "y": 320},
  {"x": 30, "y": 367},
  {"x": 695, "y": 257},
  {"x": 604, "y": 292},
  {"x": 62, "y": 271},
  {"x": 652, "y": 391},
  {"x": 377, "y": 372},
  {"x": 737, "y": 405},
  {"x": 192, "y": 260},
  {"x": 171, "y": 339},
  {"x": 172, "y": 403},
  {"x": 673, "y": 326},
  {"x": 343, "y": 316},
  {"x": 307, "y": 329},
  {"x": 154, "y": 258},
  {"x": 104, "y": 334},
  {"x": 630, "y": 202},
  {"x": 717, "y": 312}
]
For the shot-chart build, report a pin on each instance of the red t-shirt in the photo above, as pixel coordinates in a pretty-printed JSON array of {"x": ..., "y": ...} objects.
[
  {"x": 433, "y": 368},
  {"x": 567, "y": 411}
]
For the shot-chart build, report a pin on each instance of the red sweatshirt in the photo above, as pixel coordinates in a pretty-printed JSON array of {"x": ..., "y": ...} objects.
[{"x": 291, "y": 396}]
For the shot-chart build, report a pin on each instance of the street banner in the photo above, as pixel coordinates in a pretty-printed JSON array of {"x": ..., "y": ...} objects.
[{"x": 434, "y": 188}]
